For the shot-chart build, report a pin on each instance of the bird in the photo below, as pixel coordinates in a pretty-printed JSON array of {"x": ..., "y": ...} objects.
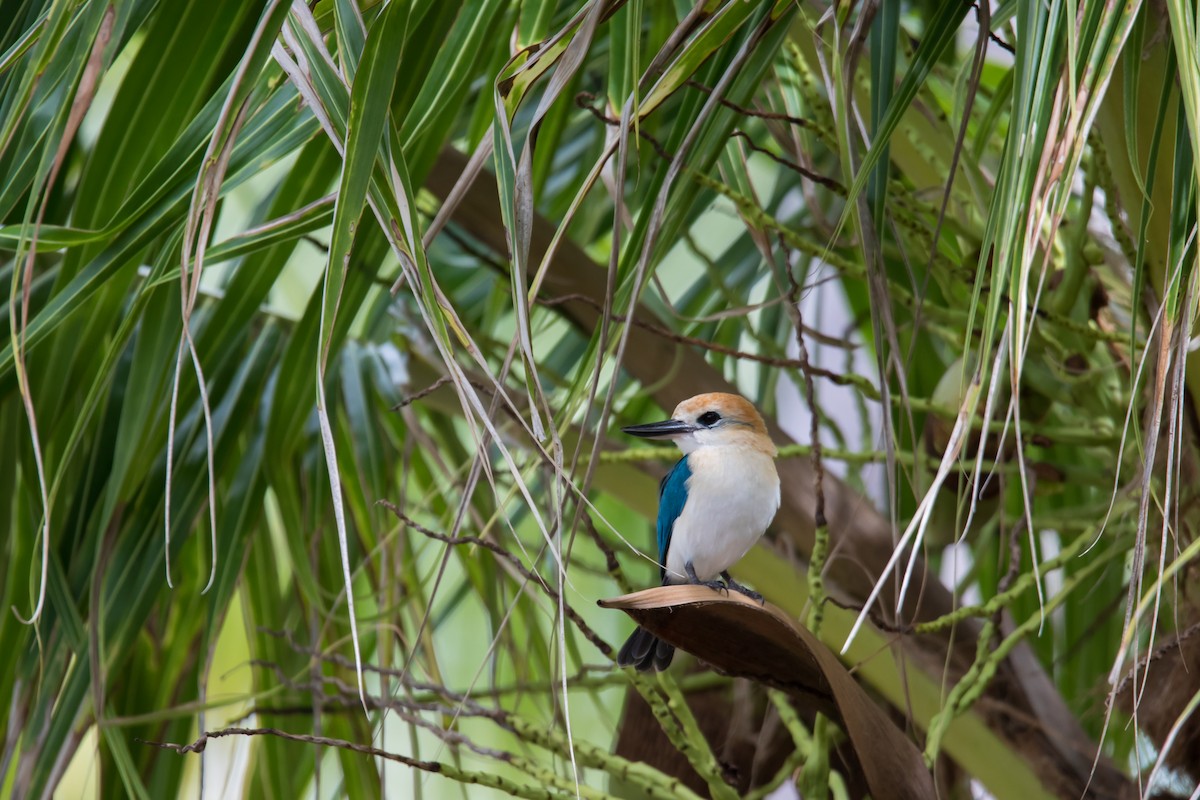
[{"x": 713, "y": 505}]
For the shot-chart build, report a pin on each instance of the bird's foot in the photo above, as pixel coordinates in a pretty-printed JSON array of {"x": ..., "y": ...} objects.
[
  {"x": 718, "y": 586},
  {"x": 737, "y": 587}
]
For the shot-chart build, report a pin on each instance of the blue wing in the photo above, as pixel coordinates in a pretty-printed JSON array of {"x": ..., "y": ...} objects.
[{"x": 672, "y": 494}]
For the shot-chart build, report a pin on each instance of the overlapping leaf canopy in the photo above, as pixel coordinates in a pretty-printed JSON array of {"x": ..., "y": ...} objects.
[{"x": 270, "y": 264}]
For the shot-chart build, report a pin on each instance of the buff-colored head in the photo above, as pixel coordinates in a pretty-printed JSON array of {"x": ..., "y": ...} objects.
[{"x": 716, "y": 419}]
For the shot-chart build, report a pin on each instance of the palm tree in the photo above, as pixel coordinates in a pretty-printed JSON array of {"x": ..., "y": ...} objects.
[{"x": 322, "y": 321}]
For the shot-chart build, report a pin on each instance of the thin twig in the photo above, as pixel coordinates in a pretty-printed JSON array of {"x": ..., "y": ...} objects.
[
  {"x": 799, "y": 169},
  {"x": 428, "y": 390},
  {"x": 820, "y": 548},
  {"x": 585, "y": 99},
  {"x": 433, "y": 387},
  {"x": 753, "y": 112},
  {"x": 489, "y": 779},
  {"x": 679, "y": 338},
  {"x": 611, "y": 563},
  {"x": 515, "y": 562},
  {"x": 1157, "y": 654}
]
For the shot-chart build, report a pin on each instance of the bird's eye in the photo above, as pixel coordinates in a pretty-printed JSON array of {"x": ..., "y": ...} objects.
[{"x": 709, "y": 418}]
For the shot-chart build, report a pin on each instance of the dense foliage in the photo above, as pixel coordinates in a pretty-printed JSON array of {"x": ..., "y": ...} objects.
[{"x": 322, "y": 320}]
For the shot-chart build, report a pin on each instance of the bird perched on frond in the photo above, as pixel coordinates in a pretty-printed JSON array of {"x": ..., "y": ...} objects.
[{"x": 713, "y": 505}]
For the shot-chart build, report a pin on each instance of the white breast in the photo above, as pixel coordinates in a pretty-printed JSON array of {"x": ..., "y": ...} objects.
[{"x": 733, "y": 495}]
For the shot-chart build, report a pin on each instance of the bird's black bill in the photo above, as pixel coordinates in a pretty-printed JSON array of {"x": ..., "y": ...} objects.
[{"x": 658, "y": 430}]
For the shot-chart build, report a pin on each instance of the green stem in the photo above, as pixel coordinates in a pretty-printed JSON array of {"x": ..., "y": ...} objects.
[
  {"x": 1021, "y": 585},
  {"x": 682, "y": 729},
  {"x": 971, "y": 687},
  {"x": 651, "y": 782}
]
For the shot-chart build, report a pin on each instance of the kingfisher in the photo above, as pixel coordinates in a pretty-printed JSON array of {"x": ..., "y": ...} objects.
[{"x": 713, "y": 505}]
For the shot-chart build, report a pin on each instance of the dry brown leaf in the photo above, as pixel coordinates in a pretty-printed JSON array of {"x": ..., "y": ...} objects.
[{"x": 739, "y": 637}]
